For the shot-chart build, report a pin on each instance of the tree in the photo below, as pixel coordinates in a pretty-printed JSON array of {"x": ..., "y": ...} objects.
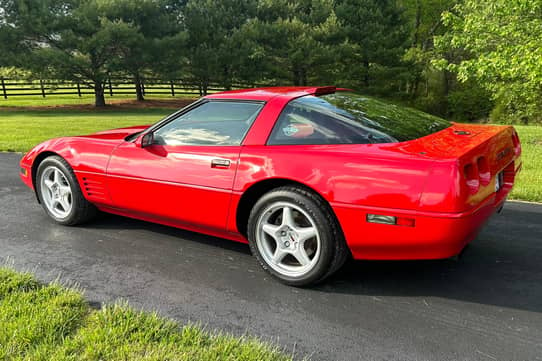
[
  {"x": 293, "y": 41},
  {"x": 149, "y": 29},
  {"x": 66, "y": 40},
  {"x": 501, "y": 44},
  {"x": 376, "y": 36},
  {"x": 425, "y": 21},
  {"x": 213, "y": 50}
]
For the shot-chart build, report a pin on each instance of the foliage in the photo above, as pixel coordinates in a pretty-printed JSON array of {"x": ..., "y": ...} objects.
[
  {"x": 501, "y": 42},
  {"x": 50, "y": 322},
  {"x": 213, "y": 49},
  {"x": 15, "y": 73},
  {"x": 292, "y": 41},
  {"x": 149, "y": 32},
  {"x": 375, "y": 34},
  {"x": 453, "y": 58},
  {"x": 66, "y": 40}
]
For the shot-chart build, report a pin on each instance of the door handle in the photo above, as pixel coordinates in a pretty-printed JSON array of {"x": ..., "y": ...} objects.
[{"x": 220, "y": 163}]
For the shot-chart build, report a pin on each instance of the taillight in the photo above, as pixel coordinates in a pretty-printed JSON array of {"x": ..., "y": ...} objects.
[
  {"x": 472, "y": 177},
  {"x": 483, "y": 171}
]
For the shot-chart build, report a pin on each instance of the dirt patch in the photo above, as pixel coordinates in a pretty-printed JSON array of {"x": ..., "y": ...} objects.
[{"x": 120, "y": 104}]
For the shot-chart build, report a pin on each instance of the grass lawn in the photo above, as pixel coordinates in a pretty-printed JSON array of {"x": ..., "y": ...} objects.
[
  {"x": 23, "y": 129},
  {"x": 53, "y": 100},
  {"x": 528, "y": 186},
  {"x": 53, "y": 323}
]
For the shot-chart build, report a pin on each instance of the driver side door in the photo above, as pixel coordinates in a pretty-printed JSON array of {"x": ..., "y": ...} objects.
[{"x": 186, "y": 175}]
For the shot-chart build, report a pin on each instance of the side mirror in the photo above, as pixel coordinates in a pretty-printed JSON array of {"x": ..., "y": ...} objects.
[{"x": 146, "y": 140}]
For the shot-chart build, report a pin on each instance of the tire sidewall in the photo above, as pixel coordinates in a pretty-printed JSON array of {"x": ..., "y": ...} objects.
[
  {"x": 321, "y": 222},
  {"x": 74, "y": 186}
]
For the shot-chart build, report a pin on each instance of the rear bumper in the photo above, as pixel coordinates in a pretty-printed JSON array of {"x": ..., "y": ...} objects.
[{"x": 434, "y": 235}]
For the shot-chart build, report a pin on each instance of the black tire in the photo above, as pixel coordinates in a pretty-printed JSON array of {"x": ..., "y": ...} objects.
[
  {"x": 82, "y": 210},
  {"x": 333, "y": 252}
]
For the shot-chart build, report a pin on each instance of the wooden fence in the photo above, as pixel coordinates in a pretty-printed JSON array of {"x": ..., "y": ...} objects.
[{"x": 114, "y": 86}]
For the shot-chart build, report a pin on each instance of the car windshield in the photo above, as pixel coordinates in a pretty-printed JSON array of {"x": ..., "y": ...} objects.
[{"x": 350, "y": 118}]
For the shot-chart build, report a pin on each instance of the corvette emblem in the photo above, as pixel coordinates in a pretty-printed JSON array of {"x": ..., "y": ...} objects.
[
  {"x": 290, "y": 130},
  {"x": 503, "y": 153}
]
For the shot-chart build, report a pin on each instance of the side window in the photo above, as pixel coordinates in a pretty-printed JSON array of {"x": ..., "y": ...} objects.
[
  {"x": 302, "y": 123},
  {"x": 313, "y": 120},
  {"x": 212, "y": 123}
]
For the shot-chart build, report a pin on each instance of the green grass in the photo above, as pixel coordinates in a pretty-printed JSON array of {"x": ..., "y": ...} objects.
[
  {"x": 53, "y": 323},
  {"x": 528, "y": 186},
  {"x": 55, "y": 100},
  {"x": 21, "y": 130}
]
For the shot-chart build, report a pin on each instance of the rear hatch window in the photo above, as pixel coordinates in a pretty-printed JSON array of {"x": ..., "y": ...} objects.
[{"x": 351, "y": 118}]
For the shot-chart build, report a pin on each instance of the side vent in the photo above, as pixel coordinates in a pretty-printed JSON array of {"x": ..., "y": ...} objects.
[{"x": 94, "y": 188}]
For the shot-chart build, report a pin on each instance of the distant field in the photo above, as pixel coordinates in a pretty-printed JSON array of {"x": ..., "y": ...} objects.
[
  {"x": 55, "y": 100},
  {"x": 529, "y": 183},
  {"x": 20, "y": 130}
]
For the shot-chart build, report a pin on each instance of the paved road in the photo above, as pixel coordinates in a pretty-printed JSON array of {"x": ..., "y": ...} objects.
[{"x": 487, "y": 306}]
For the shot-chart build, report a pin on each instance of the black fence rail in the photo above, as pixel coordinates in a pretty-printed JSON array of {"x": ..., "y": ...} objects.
[{"x": 114, "y": 86}]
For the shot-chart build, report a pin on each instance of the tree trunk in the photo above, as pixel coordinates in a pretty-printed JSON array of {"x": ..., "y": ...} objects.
[
  {"x": 417, "y": 22},
  {"x": 304, "y": 76},
  {"x": 365, "y": 63},
  {"x": 296, "y": 76},
  {"x": 139, "y": 88},
  {"x": 99, "y": 94},
  {"x": 226, "y": 82},
  {"x": 446, "y": 82},
  {"x": 415, "y": 86}
]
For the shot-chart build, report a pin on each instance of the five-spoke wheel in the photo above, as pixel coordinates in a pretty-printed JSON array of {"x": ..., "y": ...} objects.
[
  {"x": 288, "y": 238},
  {"x": 60, "y": 194},
  {"x": 294, "y": 235},
  {"x": 56, "y": 191}
]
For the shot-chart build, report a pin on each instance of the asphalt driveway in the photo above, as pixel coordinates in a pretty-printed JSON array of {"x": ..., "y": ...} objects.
[{"x": 486, "y": 306}]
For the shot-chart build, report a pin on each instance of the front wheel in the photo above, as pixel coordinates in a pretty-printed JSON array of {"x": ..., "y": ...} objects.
[
  {"x": 295, "y": 237},
  {"x": 60, "y": 194}
]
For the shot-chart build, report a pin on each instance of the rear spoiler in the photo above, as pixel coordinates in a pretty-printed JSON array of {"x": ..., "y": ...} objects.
[{"x": 323, "y": 90}]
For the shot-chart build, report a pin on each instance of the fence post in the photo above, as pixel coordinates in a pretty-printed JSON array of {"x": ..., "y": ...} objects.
[
  {"x": 110, "y": 87},
  {"x": 143, "y": 87},
  {"x": 42, "y": 88},
  {"x": 79, "y": 89},
  {"x": 172, "y": 88},
  {"x": 4, "y": 89}
]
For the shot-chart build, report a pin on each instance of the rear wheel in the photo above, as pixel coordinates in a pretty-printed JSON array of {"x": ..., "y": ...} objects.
[
  {"x": 60, "y": 194},
  {"x": 295, "y": 237}
]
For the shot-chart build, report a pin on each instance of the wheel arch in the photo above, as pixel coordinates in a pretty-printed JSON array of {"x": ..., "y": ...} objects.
[
  {"x": 252, "y": 194},
  {"x": 34, "y": 170}
]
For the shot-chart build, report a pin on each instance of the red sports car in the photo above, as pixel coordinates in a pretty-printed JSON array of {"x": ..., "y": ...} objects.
[{"x": 308, "y": 176}]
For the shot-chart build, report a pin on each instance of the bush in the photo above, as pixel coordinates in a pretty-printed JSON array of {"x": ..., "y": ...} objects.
[{"x": 469, "y": 103}]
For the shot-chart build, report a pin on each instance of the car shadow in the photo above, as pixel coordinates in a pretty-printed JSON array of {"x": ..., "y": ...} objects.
[
  {"x": 502, "y": 267},
  {"x": 113, "y": 222}
]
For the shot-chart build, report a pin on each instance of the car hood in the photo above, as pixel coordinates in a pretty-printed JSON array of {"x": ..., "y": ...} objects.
[
  {"x": 119, "y": 133},
  {"x": 85, "y": 152}
]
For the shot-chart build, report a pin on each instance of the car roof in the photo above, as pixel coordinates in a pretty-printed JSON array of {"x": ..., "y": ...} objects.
[{"x": 267, "y": 93}]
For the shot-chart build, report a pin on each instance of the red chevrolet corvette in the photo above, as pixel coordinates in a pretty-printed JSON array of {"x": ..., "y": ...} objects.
[{"x": 308, "y": 176}]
